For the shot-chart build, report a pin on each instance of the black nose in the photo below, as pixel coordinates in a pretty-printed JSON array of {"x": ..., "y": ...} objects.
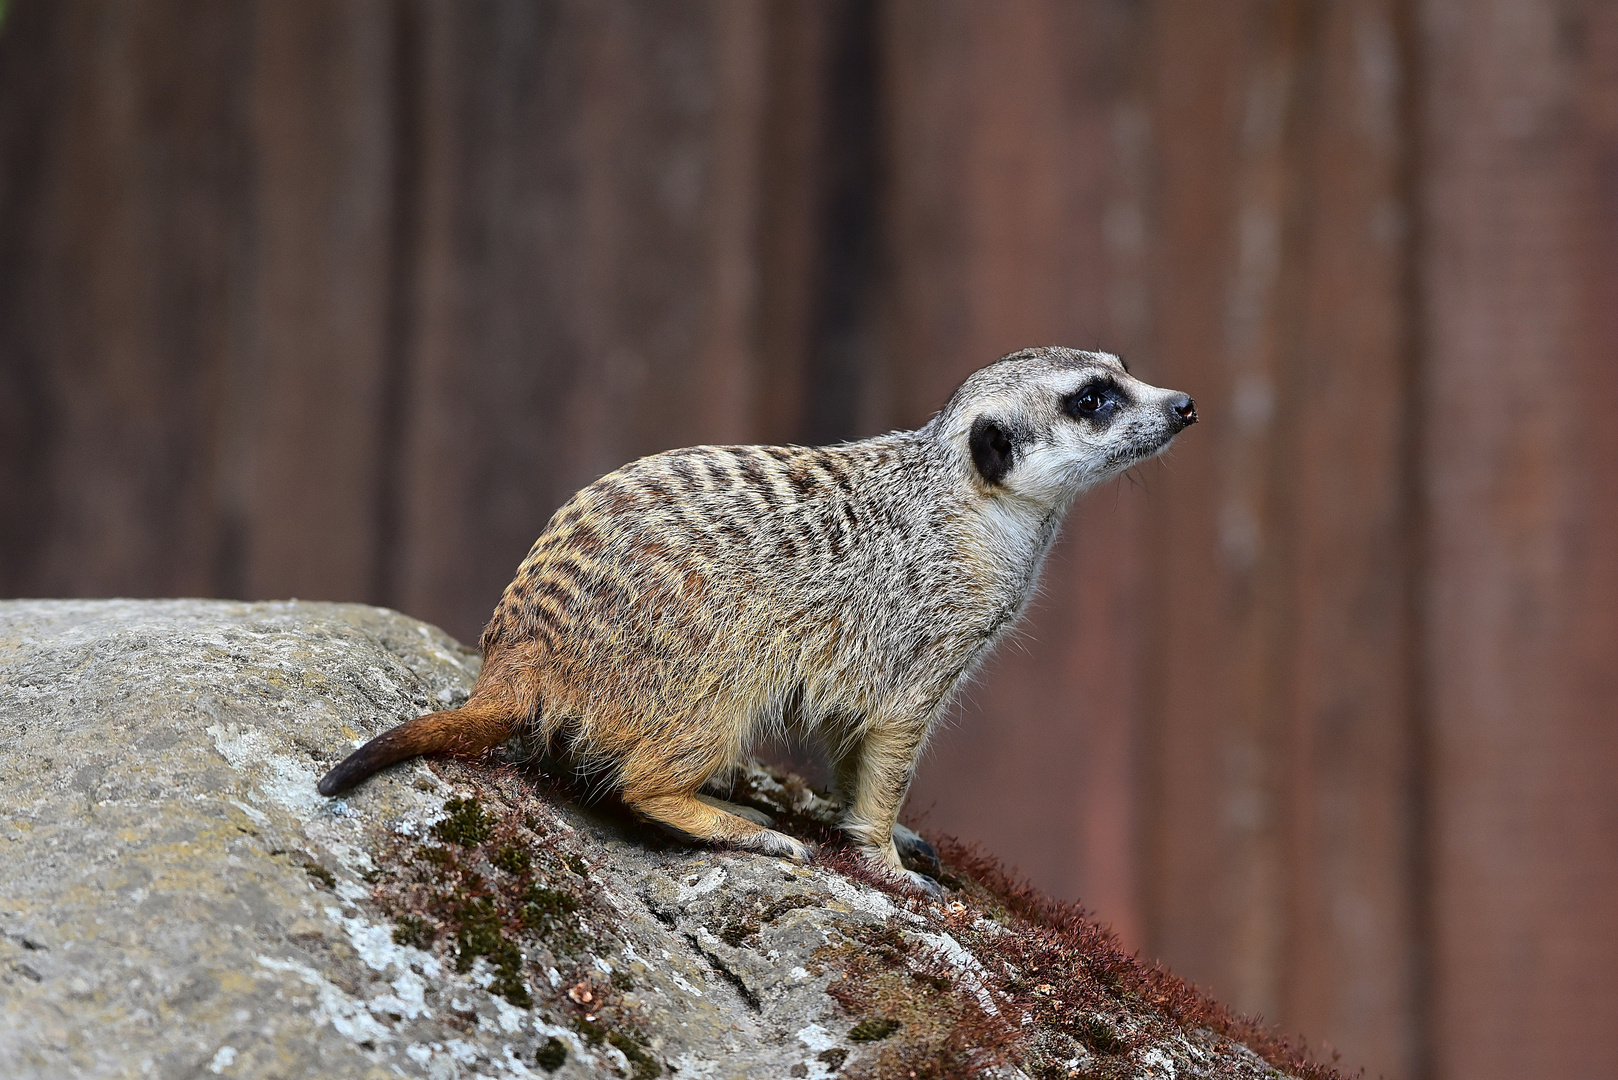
[{"x": 1183, "y": 409}]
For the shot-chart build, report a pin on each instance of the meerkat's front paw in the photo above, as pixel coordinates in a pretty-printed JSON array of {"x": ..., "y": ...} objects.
[
  {"x": 911, "y": 846},
  {"x": 886, "y": 863},
  {"x": 923, "y": 884}
]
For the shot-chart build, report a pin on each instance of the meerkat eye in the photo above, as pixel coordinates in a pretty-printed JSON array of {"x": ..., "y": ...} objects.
[{"x": 1092, "y": 402}]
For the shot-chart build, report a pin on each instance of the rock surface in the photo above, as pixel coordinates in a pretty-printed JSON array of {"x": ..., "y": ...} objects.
[{"x": 177, "y": 901}]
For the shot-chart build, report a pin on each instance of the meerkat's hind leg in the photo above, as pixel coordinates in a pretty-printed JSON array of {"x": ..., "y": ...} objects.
[
  {"x": 770, "y": 842},
  {"x": 756, "y": 816},
  {"x": 907, "y": 841},
  {"x": 721, "y": 784},
  {"x": 696, "y": 816}
]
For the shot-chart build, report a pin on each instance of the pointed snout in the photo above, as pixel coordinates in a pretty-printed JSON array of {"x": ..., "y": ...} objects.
[{"x": 1182, "y": 411}]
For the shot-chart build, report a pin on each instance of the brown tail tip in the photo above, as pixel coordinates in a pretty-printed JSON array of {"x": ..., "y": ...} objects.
[
  {"x": 405, "y": 741},
  {"x": 354, "y": 768}
]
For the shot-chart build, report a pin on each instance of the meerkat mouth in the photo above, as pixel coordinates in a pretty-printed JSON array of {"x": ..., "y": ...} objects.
[{"x": 1135, "y": 455}]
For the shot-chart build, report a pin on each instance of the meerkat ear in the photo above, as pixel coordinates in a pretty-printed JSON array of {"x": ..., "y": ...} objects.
[{"x": 991, "y": 449}]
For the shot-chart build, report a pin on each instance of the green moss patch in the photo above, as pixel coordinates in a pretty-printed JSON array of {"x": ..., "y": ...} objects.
[
  {"x": 414, "y": 931},
  {"x": 481, "y": 932},
  {"x": 513, "y": 859},
  {"x": 874, "y": 1030},
  {"x": 466, "y": 825},
  {"x": 1098, "y": 1033},
  {"x": 552, "y": 1054},
  {"x": 495, "y": 883},
  {"x": 642, "y": 1065}
]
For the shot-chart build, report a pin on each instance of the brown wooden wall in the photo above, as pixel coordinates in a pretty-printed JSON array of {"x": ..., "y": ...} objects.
[{"x": 340, "y": 298}]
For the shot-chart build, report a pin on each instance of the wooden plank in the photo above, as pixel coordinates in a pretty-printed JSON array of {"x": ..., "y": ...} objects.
[
  {"x": 1211, "y": 862},
  {"x": 33, "y": 64},
  {"x": 304, "y": 407},
  {"x": 1280, "y": 747},
  {"x": 583, "y": 250},
  {"x": 116, "y": 314},
  {"x": 1518, "y": 140},
  {"x": 823, "y": 373},
  {"x": 1349, "y": 968},
  {"x": 789, "y": 243}
]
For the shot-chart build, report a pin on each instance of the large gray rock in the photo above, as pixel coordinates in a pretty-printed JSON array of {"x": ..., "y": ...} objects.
[{"x": 176, "y": 900}]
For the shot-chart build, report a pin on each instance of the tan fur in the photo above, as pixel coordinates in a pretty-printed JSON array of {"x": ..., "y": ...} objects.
[{"x": 677, "y": 610}]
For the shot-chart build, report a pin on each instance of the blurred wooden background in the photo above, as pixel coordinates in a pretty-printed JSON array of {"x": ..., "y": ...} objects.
[{"x": 341, "y": 299}]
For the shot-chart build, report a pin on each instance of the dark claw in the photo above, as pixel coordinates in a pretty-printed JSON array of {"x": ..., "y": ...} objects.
[
  {"x": 927, "y": 855},
  {"x": 914, "y": 848}
]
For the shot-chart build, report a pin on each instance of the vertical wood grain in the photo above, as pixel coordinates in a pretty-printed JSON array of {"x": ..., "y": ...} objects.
[
  {"x": 304, "y": 420},
  {"x": 583, "y": 289},
  {"x": 1211, "y": 894},
  {"x": 1519, "y": 201},
  {"x": 1352, "y": 947},
  {"x": 123, "y": 209},
  {"x": 1279, "y": 783}
]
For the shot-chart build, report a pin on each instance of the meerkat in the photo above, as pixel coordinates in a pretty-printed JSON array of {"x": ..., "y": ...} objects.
[{"x": 678, "y": 610}]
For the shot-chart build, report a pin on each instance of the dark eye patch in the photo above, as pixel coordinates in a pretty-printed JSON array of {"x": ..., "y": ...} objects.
[{"x": 1095, "y": 402}]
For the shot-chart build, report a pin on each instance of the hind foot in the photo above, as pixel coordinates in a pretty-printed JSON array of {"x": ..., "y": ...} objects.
[
  {"x": 757, "y": 817},
  {"x": 923, "y": 884},
  {"x": 770, "y": 842},
  {"x": 702, "y": 817}
]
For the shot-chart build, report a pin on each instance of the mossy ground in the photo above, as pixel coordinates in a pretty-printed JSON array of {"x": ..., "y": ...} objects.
[
  {"x": 495, "y": 884},
  {"x": 1064, "y": 1000},
  {"x": 1065, "y": 989}
]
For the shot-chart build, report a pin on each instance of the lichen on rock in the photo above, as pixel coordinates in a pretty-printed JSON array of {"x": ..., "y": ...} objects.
[{"x": 176, "y": 899}]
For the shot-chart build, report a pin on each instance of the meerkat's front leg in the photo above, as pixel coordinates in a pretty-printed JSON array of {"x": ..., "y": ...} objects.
[
  {"x": 908, "y": 842},
  {"x": 873, "y": 779}
]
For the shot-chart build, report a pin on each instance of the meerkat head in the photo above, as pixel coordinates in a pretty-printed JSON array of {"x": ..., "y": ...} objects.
[{"x": 1046, "y": 424}]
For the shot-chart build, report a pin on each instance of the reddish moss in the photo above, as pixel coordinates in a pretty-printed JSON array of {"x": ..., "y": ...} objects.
[
  {"x": 1051, "y": 964},
  {"x": 910, "y": 1011},
  {"x": 1065, "y": 971}
]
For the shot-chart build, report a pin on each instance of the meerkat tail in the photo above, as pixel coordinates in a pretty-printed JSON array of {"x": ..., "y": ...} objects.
[{"x": 467, "y": 730}]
